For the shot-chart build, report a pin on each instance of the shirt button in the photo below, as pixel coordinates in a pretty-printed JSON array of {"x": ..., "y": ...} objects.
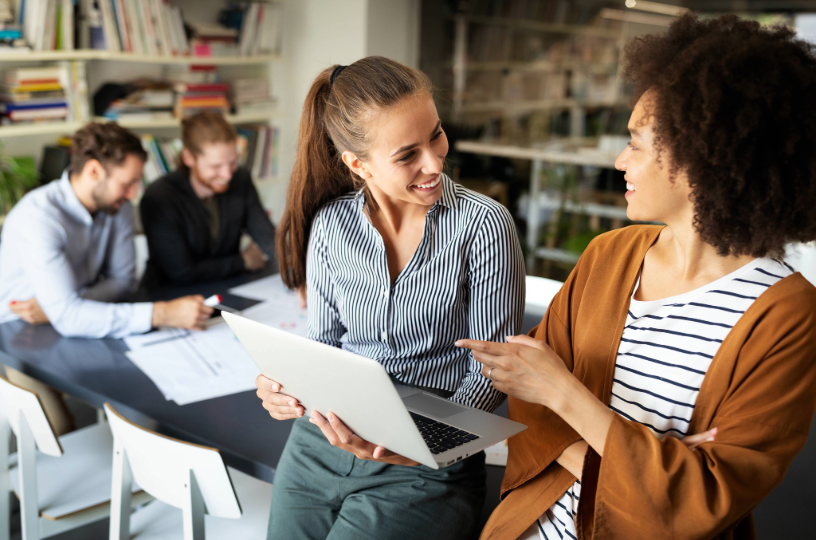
[
  {"x": 384, "y": 336},
  {"x": 385, "y": 294}
]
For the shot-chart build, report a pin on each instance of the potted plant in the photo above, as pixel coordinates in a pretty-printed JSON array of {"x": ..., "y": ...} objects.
[{"x": 17, "y": 176}]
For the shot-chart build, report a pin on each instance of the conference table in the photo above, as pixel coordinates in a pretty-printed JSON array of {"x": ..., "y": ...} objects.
[{"x": 97, "y": 371}]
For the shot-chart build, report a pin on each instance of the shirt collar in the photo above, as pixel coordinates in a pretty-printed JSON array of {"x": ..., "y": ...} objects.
[
  {"x": 448, "y": 198},
  {"x": 71, "y": 202}
]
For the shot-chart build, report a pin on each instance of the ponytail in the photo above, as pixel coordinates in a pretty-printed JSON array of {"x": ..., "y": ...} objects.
[
  {"x": 331, "y": 123},
  {"x": 317, "y": 177}
]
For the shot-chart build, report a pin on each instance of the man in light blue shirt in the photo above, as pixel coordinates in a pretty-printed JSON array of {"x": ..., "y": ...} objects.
[{"x": 67, "y": 253}]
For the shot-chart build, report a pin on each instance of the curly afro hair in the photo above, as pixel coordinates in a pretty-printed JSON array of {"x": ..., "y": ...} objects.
[{"x": 734, "y": 106}]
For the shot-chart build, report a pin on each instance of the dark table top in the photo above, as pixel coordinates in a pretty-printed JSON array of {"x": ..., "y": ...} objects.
[{"x": 97, "y": 370}]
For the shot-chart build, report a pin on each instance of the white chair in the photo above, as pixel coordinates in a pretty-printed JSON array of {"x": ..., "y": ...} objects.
[
  {"x": 540, "y": 292},
  {"x": 67, "y": 483},
  {"x": 188, "y": 481}
]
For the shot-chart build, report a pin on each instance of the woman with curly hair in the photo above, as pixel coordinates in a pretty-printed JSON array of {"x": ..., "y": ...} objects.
[{"x": 695, "y": 327}]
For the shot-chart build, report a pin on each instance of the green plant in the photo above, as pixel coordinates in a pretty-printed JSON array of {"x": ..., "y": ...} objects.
[{"x": 17, "y": 176}]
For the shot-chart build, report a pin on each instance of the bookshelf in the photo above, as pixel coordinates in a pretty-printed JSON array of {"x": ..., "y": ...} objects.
[
  {"x": 540, "y": 201},
  {"x": 536, "y": 26},
  {"x": 94, "y": 54},
  {"x": 94, "y": 67},
  {"x": 470, "y": 60},
  {"x": 60, "y": 128}
]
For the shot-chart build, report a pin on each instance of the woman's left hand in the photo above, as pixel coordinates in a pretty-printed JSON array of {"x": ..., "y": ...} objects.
[
  {"x": 524, "y": 368},
  {"x": 340, "y": 436}
]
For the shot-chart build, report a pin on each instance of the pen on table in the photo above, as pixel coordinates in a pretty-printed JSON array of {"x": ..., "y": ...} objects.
[{"x": 214, "y": 301}]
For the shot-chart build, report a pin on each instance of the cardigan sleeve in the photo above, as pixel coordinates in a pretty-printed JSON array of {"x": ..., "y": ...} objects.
[
  {"x": 547, "y": 434},
  {"x": 659, "y": 488}
]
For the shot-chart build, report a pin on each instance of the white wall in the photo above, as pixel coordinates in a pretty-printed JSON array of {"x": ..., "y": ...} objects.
[
  {"x": 393, "y": 30},
  {"x": 321, "y": 33}
]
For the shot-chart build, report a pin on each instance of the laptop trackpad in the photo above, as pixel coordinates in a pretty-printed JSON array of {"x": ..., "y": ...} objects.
[{"x": 438, "y": 407}]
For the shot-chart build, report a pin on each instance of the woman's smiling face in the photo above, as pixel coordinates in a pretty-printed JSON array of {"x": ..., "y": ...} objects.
[
  {"x": 405, "y": 160},
  {"x": 652, "y": 193}
]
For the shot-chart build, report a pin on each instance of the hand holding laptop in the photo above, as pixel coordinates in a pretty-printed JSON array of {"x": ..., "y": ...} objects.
[
  {"x": 340, "y": 436},
  {"x": 280, "y": 406},
  {"x": 283, "y": 407}
]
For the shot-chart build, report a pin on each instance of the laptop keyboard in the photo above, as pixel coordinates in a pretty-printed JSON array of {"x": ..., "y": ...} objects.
[{"x": 441, "y": 437}]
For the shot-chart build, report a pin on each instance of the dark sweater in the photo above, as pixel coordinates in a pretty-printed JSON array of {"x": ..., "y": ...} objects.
[{"x": 176, "y": 225}]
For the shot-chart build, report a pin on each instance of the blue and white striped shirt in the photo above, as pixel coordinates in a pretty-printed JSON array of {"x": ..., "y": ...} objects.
[{"x": 466, "y": 280}]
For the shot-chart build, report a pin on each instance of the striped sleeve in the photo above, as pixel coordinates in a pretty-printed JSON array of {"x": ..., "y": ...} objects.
[
  {"x": 325, "y": 322},
  {"x": 496, "y": 276}
]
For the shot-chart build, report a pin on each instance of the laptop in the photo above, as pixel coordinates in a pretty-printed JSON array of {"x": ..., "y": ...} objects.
[{"x": 416, "y": 424}]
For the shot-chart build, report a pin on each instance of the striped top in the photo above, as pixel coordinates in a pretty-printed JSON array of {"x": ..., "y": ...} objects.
[
  {"x": 664, "y": 354},
  {"x": 465, "y": 280}
]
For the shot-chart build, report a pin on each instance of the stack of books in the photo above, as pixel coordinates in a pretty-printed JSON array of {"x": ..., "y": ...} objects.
[
  {"x": 194, "y": 97},
  {"x": 33, "y": 94},
  {"x": 251, "y": 96},
  {"x": 213, "y": 40}
]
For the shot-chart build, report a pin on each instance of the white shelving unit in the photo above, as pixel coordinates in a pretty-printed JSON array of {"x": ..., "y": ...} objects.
[
  {"x": 539, "y": 200},
  {"x": 59, "y": 128},
  {"x": 462, "y": 65},
  {"x": 102, "y": 66},
  {"x": 93, "y": 54}
]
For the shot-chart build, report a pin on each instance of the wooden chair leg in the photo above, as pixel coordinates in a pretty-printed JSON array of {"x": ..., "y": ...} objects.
[
  {"x": 27, "y": 467},
  {"x": 193, "y": 511},
  {"x": 120, "y": 494}
]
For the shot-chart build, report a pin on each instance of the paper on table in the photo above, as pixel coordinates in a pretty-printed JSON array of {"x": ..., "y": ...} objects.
[
  {"x": 154, "y": 338},
  {"x": 202, "y": 365},
  {"x": 193, "y": 366},
  {"x": 280, "y": 309},
  {"x": 268, "y": 289}
]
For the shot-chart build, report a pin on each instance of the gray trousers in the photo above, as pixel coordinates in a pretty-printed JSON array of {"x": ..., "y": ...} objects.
[{"x": 321, "y": 492}]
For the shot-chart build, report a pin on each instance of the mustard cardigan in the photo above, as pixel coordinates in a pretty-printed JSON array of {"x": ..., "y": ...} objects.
[{"x": 760, "y": 391}]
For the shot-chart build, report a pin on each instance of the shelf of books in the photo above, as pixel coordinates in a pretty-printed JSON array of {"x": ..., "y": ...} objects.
[
  {"x": 139, "y": 31},
  {"x": 26, "y": 55},
  {"x": 58, "y": 128}
]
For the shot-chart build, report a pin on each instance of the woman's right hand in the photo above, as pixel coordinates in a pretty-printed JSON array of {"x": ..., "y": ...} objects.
[
  {"x": 693, "y": 441},
  {"x": 280, "y": 406}
]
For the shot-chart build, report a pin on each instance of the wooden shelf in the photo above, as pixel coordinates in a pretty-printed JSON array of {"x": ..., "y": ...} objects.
[
  {"x": 593, "y": 159},
  {"x": 165, "y": 123},
  {"x": 46, "y": 128},
  {"x": 92, "y": 54},
  {"x": 543, "y": 66},
  {"x": 526, "y": 24},
  {"x": 546, "y": 202},
  {"x": 39, "y": 128},
  {"x": 521, "y": 107}
]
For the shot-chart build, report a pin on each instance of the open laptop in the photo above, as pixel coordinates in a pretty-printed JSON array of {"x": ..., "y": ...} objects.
[{"x": 416, "y": 424}]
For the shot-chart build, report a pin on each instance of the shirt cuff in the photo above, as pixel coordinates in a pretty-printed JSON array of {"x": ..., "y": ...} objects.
[{"x": 142, "y": 317}]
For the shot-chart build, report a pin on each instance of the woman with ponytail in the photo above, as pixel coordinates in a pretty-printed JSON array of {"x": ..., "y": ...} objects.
[{"x": 398, "y": 262}]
